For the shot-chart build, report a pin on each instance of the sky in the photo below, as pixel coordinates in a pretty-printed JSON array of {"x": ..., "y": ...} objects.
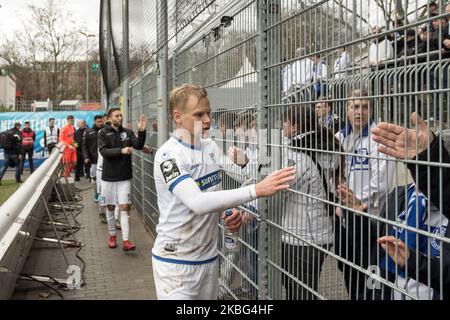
[{"x": 13, "y": 12}]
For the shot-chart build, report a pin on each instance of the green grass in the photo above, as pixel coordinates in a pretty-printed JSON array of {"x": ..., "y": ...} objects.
[{"x": 7, "y": 188}]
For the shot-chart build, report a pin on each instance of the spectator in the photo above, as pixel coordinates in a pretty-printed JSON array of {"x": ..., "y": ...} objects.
[
  {"x": 429, "y": 10},
  {"x": 247, "y": 159},
  {"x": 12, "y": 147},
  {"x": 320, "y": 77},
  {"x": 307, "y": 220},
  {"x": 421, "y": 254},
  {"x": 447, "y": 10},
  {"x": 225, "y": 126},
  {"x": 302, "y": 76},
  {"x": 51, "y": 135},
  {"x": 438, "y": 37},
  {"x": 286, "y": 80},
  {"x": 342, "y": 63},
  {"x": 397, "y": 38},
  {"x": 369, "y": 180},
  {"x": 380, "y": 50},
  {"x": 90, "y": 149},
  {"x": 438, "y": 41},
  {"x": 421, "y": 145},
  {"x": 81, "y": 166},
  {"x": 413, "y": 46},
  {"x": 325, "y": 116},
  {"x": 28, "y": 138}
]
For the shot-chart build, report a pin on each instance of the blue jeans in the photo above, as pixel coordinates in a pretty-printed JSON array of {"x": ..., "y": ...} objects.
[{"x": 13, "y": 160}]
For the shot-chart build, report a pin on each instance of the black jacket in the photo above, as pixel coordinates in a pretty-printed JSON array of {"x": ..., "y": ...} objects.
[
  {"x": 421, "y": 179},
  {"x": 117, "y": 166},
  {"x": 16, "y": 142},
  {"x": 79, "y": 137},
  {"x": 90, "y": 144}
]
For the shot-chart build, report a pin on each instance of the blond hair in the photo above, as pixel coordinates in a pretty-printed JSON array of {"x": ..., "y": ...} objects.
[{"x": 179, "y": 96}]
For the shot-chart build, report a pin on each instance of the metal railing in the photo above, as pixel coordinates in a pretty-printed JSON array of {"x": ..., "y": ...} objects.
[{"x": 22, "y": 215}]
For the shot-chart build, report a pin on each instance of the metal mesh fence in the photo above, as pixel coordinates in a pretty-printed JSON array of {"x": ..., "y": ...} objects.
[{"x": 305, "y": 83}]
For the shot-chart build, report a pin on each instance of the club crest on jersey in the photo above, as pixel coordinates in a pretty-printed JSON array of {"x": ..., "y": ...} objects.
[
  {"x": 123, "y": 136},
  {"x": 170, "y": 170}
]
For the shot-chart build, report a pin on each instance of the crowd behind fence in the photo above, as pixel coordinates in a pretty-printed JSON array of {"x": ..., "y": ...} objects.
[{"x": 305, "y": 83}]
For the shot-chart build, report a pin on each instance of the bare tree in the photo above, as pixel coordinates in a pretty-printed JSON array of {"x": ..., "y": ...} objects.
[
  {"x": 392, "y": 10},
  {"x": 57, "y": 37},
  {"x": 42, "y": 55}
]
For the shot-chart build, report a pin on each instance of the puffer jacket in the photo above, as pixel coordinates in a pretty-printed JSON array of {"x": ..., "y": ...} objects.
[{"x": 305, "y": 216}]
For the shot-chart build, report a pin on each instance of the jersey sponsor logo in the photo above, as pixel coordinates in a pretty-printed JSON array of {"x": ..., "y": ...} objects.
[
  {"x": 170, "y": 170},
  {"x": 209, "y": 180}
]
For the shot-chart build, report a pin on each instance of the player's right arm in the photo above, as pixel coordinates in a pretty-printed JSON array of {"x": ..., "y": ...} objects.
[{"x": 179, "y": 181}]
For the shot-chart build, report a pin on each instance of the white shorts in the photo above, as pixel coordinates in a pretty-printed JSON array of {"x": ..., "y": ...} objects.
[
  {"x": 116, "y": 192},
  {"x": 186, "y": 282}
]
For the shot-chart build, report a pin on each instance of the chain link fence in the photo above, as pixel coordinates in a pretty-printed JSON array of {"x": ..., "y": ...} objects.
[{"x": 302, "y": 83}]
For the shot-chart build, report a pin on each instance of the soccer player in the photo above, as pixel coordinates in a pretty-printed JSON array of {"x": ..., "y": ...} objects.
[
  {"x": 188, "y": 183},
  {"x": 116, "y": 144},
  {"x": 70, "y": 152}
]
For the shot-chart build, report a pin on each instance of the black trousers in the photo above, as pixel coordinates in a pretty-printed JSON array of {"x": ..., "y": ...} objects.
[
  {"x": 30, "y": 153},
  {"x": 50, "y": 147},
  {"x": 304, "y": 263},
  {"x": 354, "y": 241},
  {"x": 82, "y": 167}
]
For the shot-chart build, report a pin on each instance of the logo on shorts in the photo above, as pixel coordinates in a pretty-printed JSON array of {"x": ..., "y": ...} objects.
[
  {"x": 170, "y": 247},
  {"x": 170, "y": 170}
]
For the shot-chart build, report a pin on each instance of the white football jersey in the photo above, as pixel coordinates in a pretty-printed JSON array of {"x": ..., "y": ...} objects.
[{"x": 183, "y": 236}]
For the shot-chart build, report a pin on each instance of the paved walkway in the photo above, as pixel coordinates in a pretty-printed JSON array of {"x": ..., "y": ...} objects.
[{"x": 109, "y": 274}]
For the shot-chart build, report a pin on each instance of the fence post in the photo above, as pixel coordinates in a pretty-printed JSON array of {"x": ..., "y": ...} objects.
[
  {"x": 268, "y": 13},
  {"x": 163, "y": 132},
  {"x": 125, "y": 82},
  {"x": 263, "y": 151}
]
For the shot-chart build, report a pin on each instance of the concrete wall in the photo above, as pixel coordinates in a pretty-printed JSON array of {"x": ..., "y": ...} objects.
[{"x": 7, "y": 92}]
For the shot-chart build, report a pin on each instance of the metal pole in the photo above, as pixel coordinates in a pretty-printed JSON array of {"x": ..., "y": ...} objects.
[
  {"x": 263, "y": 155},
  {"x": 108, "y": 49},
  {"x": 125, "y": 20},
  {"x": 87, "y": 68},
  {"x": 163, "y": 132}
]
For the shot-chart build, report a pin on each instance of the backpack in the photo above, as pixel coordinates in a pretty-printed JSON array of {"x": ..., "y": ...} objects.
[{"x": 6, "y": 140}]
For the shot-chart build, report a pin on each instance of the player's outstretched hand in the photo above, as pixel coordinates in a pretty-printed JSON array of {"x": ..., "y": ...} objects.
[{"x": 276, "y": 181}]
